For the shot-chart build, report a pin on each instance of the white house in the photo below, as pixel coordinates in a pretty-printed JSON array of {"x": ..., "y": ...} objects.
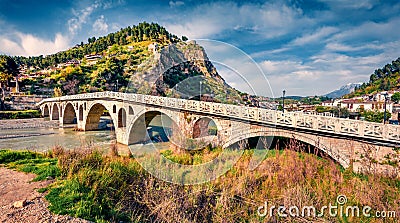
[
  {"x": 358, "y": 105},
  {"x": 328, "y": 103},
  {"x": 92, "y": 59},
  {"x": 381, "y": 95}
]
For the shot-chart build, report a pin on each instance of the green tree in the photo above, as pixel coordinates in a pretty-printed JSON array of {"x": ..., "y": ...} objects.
[
  {"x": 8, "y": 70},
  {"x": 322, "y": 109},
  {"x": 342, "y": 112},
  {"x": 396, "y": 97},
  {"x": 375, "y": 116}
]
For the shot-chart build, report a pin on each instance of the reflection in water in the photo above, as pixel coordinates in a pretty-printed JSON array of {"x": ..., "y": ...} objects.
[{"x": 44, "y": 139}]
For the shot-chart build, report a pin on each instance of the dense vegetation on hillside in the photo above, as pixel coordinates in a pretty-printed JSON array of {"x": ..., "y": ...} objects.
[
  {"x": 120, "y": 54},
  {"x": 383, "y": 79},
  {"x": 8, "y": 69},
  {"x": 143, "y": 31}
]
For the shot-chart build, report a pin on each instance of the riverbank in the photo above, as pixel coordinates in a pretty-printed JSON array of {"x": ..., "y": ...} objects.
[
  {"x": 21, "y": 202},
  {"x": 28, "y": 123},
  {"x": 107, "y": 187},
  {"x": 111, "y": 188}
]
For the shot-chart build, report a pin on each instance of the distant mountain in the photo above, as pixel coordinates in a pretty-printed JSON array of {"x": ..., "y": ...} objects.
[
  {"x": 294, "y": 97},
  {"x": 344, "y": 90}
]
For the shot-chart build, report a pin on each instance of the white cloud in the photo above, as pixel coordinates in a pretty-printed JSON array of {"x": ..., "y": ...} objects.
[
  {"x": 107, "y": 4},
  {"x": 282, "y": 67},
  {"x": 266, "y": 53},
  {"x": 326, "y": 71},
  {"x": 269, "y": 20},
  {"x": 340, "y": 47},
  {"x": 351, "y": 4},
  {"x": 80, "y": 18},
  {"x": 311, "y": 55},
  {"x": 100, "y": 25},
  {"x": 82, "y": 15},
  {"x": 369, "y": 30},
  {"x": 173, "y": 4},
  {"x": 29, "y": 45},
  {"x": 10, "y": 47},
  {"x": 317, "y": 36}
]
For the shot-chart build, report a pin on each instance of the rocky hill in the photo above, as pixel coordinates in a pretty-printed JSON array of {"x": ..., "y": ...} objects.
[
  {"x": 182, "y": 70},
  {"x": 142, "y": 59}
]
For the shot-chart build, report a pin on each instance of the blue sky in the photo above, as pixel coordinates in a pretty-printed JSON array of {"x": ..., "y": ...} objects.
[{"x": 305, "y": 47}]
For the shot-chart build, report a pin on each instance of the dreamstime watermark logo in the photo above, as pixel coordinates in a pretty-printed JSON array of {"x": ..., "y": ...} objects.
[
  {"x": 228, "y": 60},
  {"x": 340, "y": 209}
]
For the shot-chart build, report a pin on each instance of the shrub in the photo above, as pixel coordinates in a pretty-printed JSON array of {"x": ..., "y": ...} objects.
[{"x": 19, "y": 114}]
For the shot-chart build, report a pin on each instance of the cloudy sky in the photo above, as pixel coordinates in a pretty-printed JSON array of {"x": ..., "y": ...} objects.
[{"x": 305, "y": 47}]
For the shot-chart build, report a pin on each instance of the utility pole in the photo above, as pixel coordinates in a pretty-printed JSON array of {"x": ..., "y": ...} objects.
[
  {"x": 283, "y": 101},
  {"x": 384, "y": 114},
  {"x": 200, "y": 89}
]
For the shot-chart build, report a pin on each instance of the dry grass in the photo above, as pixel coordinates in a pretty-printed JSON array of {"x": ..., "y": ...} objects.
[{"x": 114, "y": 188}]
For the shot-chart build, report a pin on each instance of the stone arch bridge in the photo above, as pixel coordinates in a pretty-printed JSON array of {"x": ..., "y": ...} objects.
[{"x": 343, "y": 140}]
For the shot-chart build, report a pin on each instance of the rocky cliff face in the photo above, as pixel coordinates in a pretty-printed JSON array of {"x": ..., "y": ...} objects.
[{"x": 182, "y": 70}]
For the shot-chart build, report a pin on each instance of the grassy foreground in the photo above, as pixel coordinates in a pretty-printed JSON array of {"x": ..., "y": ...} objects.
[{"x": 111, "y": 188}]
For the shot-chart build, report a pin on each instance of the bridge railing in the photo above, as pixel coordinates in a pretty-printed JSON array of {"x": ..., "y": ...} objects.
[{"x": 298, "y": 120}]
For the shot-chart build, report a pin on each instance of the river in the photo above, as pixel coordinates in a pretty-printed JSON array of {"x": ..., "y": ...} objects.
[{"x": 42, "y": 137}]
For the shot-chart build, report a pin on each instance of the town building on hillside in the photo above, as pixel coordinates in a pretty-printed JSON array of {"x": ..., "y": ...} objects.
[
  {"x": 357, "y": 105},
  {"x": 73, "y": 62},
  {"x": 380, "y": 96},
  {"x": 328, "y": 103},
  {"x": 396, "y": 112},
  {"x": 307, "y": 108},
  {"x": 92, "y": 59}
]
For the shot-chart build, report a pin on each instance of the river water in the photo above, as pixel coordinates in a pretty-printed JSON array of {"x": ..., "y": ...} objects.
[{"x": 42, "y": 139}]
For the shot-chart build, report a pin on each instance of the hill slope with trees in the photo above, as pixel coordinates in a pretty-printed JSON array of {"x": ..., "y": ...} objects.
[
  {"x": 383, "y": 79},
  {"x": 144, "y": 59}
]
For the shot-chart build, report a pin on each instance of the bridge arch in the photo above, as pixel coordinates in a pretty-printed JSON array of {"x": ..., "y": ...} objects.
[
  {"x": 46, "y": 110},
  {"x": 122, "y": 118},
  {"x": 69, "y": 116},
  {"x": 204, "y": 126},
  {"x": 141, "y": 130},
  {"x": 55, "y": 113},
  {"x": 341, "y": 158},
  {"x": 95, "y": 111},
  {"x": 131, "y": 112}
]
